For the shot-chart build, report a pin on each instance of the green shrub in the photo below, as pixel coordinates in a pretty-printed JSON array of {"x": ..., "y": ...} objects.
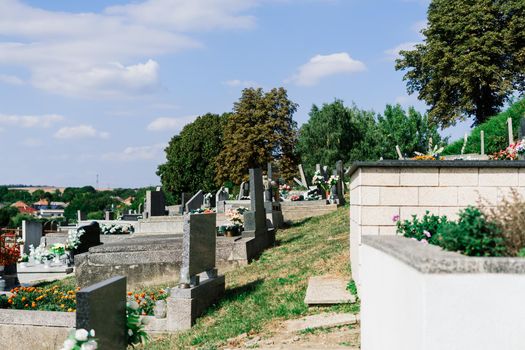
[
  {"x": 496, "y": 132},
  {"x": 425, "y": 229},
  {"x": 472, "y": 235}
]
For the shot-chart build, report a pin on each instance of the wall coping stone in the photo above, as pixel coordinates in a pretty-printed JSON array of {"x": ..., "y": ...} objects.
[
  {"x": 437, "y": 164},
  {"x": 431, "y": 259},
  {"x": 37, "y": 318}
]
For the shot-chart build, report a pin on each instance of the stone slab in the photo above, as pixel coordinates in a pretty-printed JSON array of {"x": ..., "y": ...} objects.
[
  {"x": 199, "y": 243},
  {"x": 428, "y": 258},
  {"x": 327, "y": 320},
  {"x": 326, "y": 290}
]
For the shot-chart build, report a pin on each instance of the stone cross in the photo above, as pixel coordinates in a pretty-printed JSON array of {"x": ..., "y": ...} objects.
[
  {"x": 198, "y": 248},
  {"x": 303, "y": 177},
  {"x": 195, "y": 202},
  {"x": 102, "y": 307}
]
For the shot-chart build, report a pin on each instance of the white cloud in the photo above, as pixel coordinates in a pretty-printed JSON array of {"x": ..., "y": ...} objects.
[
  {"x": 137, "y": 153},
  {"x": 80, "y": 132},
  {"x": 393, "y": 53},
  {"x": 106, "y": 54},
  {"x": 170, "y": 124},
  {"x": 111, "y": 80},
  {"x": 30, "y": 121},
  {"x": 11, "y": 79},
  {"x": 322, "y": 66},
  {"x": 189, "y": 15},
  {"x": 238, "y": 83}
]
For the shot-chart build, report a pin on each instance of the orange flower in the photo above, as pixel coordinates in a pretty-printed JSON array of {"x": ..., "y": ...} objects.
[
  {"x": 130, "y": 293},
  {"x": 33, "y": 304}
]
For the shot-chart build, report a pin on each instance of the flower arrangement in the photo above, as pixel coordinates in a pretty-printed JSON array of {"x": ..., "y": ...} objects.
[
  {"x": 135, "y": 324},
  {"x": 73, "y": 239},
  {"x": 333, "y": 180},
  {"x": 511, "y": 152},
  {"x": 9, "y": 252},
  {"x": 80, "y": 339},
  {"x": 116, "y": 229},
  {"x": 319, "y": 181},
  {"x": 296, "y": 198},
  {"x": 203, "y": 211},
  {"x": 40, "y": 298},
  {"x": 41, "y": 254},
  {"x": 58, "y": 249},
  {"x": 284, "y": 189},
  {"x": 146, "y": 300},
  {"x": 433, "y": 153},
  {"x": 235, "y": 216}
]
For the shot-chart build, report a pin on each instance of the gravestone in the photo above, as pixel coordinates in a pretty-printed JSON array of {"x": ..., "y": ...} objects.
[
  {"x": 244, "y": 191},
  {"x": 81, "y": 216},
  {"x": 102, "y": 307},
  {"x": 340, "y": 172},
  {"x": 521, "y": 130},
  {"x": 198, "y": 247},
  {"x": 90, "y": 238},
  {"x": 221, "y": 196},
  {"x": 155, "y": 204},
  {"x": 31, "y": 234},
  {"x": 140, "y": 209},
  {"x": 255, "y": 219},
  {"x": 109, "y": 215},
  {"x": 194, "y": 296},
  {"x": 303, "y": 177},
  {"x": 195, "y": 202}
]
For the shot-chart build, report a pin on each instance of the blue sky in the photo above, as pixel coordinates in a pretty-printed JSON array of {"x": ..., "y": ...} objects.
[{"x": 100, "y": 87}]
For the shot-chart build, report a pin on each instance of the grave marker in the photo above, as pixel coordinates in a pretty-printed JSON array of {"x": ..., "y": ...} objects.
[
  {"x": 340, "y": 172},
  {"x": 90, "y": 238},
  {"x": 102, "y": 307},
  {"x": 81, "y": 216},
  {"x": 195, "y": 202},
  {"x": 509, "y": 126},
  {"x": 220, "y": 197},
  {"x": 482, "y": 136},
  {"x": 255, "y": 219},
  {"x": 303, "y": 177},
  {"x": 155, "y": 204},
  {"x": 31, "y": 234}
]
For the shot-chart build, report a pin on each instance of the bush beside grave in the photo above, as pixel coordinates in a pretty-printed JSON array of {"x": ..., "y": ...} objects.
[{"x": 478, "y": 232}]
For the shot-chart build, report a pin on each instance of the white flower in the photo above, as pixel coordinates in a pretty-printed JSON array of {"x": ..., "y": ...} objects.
[
  {"x": 92, "y": 333},
  {"x": 69, "y": 344},
  {"x": 81, "y": 335},
  {"x": 90, "y": 345},
  {"x": 133, "y": 305},
  {"x": 130, "y": 332},
  {"x": 145, "y": 320}
]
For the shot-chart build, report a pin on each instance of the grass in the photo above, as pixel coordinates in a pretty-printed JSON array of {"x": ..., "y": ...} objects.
[{"x": 271, "y": 289}]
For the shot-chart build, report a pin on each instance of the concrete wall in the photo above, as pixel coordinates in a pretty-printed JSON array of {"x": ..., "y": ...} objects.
[
  {"x": 407, "y": 309},
  {"x": 379, "y": 191},
  {"x": 21, "y": 329}
]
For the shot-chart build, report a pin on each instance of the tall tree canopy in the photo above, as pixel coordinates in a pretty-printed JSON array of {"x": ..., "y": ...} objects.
[
  {"x": 191, "y": 156},
  {"x": 472, "y": 59},
  {"x": 411, "y": 131},
  {"x": 336, "y": 132},
  {"x": 261, "y": 129}
]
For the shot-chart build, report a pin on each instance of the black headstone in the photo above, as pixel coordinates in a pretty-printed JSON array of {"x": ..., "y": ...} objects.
[
  {"x": 90, "y": 238},
  {"x": 102, "y": 307}
]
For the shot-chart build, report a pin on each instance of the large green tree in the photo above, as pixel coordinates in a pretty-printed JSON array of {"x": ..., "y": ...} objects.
[
  {"x": 332, "y": 133},
  {"x": 190, "y": 156},
  {"x": 261, "y": 129},
  {"x": 411, "y": 131},
  {"x": 471, "y": 61}
]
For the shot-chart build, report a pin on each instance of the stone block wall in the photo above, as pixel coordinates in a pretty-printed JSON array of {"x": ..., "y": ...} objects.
[{"x": 383, "y": 190}]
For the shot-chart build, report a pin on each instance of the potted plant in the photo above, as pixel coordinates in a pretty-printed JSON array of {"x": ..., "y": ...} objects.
[{"x": 321, "y": 183}]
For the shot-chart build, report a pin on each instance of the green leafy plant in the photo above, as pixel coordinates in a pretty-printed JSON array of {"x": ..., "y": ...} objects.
[
  {"x": 135, "y": 325},
  {"x": 472, "y": 235},
  {"x": 426, "y": 229}
]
